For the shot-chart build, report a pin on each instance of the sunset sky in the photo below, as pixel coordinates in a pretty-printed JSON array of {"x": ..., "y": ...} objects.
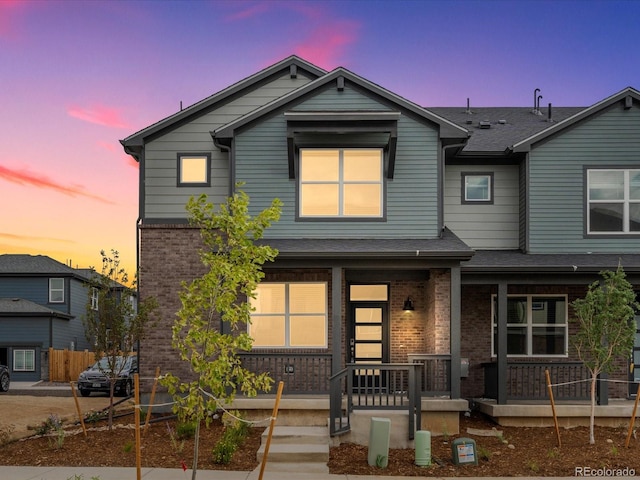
[{"x": 75, "y": 77}]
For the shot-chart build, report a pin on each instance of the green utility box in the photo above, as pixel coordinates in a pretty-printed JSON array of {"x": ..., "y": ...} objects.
[
  {"x": 464, "y": 451},
  {"x": 379, "y": 436},
  {"x": 423, "y": 448}
]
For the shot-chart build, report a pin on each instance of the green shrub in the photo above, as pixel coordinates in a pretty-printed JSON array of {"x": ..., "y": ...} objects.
[
  {"x": 186, "y": 430},
  {"x": 234, "y": 434}
]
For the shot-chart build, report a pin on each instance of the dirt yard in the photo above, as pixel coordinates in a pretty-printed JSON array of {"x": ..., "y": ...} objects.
[{"x": 24, "y": 412}]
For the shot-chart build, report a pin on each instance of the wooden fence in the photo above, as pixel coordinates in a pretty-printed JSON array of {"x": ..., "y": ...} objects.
[{"x": 66, "y": 365}]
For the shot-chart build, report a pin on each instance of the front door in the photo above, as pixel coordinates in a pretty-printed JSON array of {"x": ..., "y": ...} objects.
[{"x": 369, "y": 341}]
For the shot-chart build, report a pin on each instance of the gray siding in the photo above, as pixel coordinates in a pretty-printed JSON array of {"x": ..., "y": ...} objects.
[
  {"x": 486, "y": 227},
  {"x": 411, "y": 197},
  {"x": 557, "y": 215},
  {"x": 163, "y": 198}
]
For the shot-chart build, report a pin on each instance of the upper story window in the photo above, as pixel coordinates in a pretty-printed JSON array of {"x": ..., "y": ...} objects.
[
  {"x": 477, "y": 187},
  {"x": 194, "y": 170},
  {"x": 56, "y": 290},
  {"x": 536, "y": 325},
  {"x": 290, "y": 315},
  {"x": 341, "y": 183},
  {"x": 94, "y": 298},
  {"x": 613, "y": 201}
]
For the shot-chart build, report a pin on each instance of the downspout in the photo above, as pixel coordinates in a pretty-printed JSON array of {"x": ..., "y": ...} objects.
[{"x": 441, "y": 167}]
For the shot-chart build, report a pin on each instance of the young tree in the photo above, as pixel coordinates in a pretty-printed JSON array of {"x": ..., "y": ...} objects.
[
  {"x": 606, "y": 327},
  {"x": 113, "y": 322},
  {"x": 234, "y": 269}
]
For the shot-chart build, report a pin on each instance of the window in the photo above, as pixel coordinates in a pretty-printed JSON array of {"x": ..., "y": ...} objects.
[
  {"x": 614, "y": 201},
  {"x": 289, "y": 315},
  {"x": 94, "y": 298},
  {"x": 477, "y": 187},
  {"x": 341, "y": 183},
  {"x": 56, "y": 290},
  {"x": 536, "y": 325},
  {"x": 194, "y": 170},
  {"x": 24, "y": 360}
]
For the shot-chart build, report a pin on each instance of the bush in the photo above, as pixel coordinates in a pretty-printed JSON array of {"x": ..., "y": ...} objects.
[
  {"x": 234, "y": 434},
  {"x": 186, "y": 430}
]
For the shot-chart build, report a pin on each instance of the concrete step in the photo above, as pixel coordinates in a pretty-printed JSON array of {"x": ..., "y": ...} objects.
[
  {"x": 297, "y": 435},
  {"x": 297, "y": 468},
  {"x": 295, "y": 453}
]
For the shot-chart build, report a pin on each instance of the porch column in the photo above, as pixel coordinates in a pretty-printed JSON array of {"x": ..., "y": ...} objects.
[
  {"x": 336, "y": 319},
  {"x": 501, "y": 345},
  {"x": 455, "y": 332}
]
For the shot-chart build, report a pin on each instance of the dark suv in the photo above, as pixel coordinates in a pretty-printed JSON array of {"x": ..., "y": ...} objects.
[
  {"x": 94, "y": 378},
  {"x": 5, "y": 379}
]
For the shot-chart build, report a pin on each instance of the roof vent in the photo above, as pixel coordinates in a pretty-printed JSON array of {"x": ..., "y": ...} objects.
[
  {"x": 469, "y": 122},
  {"x": 485, "y": 124},
  {"x": 502, "y": 121}
]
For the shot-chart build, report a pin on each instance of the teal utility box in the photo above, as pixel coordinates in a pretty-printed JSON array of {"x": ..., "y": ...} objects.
[
  {"x": 379, "y": 436},
  {"x": 464, "y": 451},
  {"x": 423, "y": 448}
]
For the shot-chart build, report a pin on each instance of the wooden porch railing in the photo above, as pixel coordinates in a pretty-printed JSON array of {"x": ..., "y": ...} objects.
[
  {"x": 302, "y": 373},
  {"x": 526, "y": 380},
  {"x": 375, "y": 386}
]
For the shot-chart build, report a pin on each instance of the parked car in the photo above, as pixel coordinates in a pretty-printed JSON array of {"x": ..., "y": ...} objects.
[
  {"x": 5, "y": 378},
  {"x": 96, "y": 377}
]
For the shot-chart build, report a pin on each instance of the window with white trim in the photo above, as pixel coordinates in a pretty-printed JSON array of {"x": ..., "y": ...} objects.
[
  {"x": 56, "y": 290},
  {"x": 24, "y": 360},
  {"x": 94, "y": 298},
  {"x": 613, "y": 197},
  {"x": 289, "y": 315},
  {"x": 346, "y": 182},
  {"x": 537, "y": 325},
  {"x": 477, "y": 187}
]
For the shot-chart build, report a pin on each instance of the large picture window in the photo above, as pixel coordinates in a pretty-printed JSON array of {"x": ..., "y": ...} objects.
[
  {"x": 536, "y": 325},
  {"x": 24, "y": 360},
  {"x": 613, "y": 201},
  {"x": 341, "y": 183},
  {"x": 289, "y": 315}
]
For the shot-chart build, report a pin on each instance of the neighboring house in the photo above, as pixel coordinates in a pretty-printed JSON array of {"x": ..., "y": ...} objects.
[
  {"x": 403, "y": 228},
  {"x": 42, "y": 302}
]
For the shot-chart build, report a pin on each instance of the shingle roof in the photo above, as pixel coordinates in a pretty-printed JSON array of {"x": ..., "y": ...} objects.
[
  {"x": 22, "y": 307},
  {"x": 448, "y": 246},
  {"x": 38, "y": 264},
  {"x": 519, "y": 123},
  {"x": 512, "y": 260}
]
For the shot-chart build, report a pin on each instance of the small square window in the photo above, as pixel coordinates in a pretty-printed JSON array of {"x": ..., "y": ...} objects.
[
  {"x": 24, "y": 360},
  {"x": 194, "y": 170},
  {"x": 477, "y": 187}
]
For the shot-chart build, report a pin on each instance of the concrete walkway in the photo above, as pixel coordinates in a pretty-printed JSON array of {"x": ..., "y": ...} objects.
[{"x": 96, "y": 473}]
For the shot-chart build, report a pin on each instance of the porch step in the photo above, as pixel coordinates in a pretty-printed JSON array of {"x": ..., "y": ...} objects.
[{"x": 296, "y": 449}]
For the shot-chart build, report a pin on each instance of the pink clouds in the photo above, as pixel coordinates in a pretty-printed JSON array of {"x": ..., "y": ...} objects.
[
  {"x": 8, "y": 14},
  {"x": 327, "y": 43},
  {"x": 100, "y": 115},
  {"x": 116, "y": 148},
  {"x": 27, "y": 178}
]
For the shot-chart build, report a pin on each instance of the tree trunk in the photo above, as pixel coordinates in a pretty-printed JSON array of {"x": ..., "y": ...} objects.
[
  {"x": 112, "y": 385},
  {"x": 594, "y": 378}
]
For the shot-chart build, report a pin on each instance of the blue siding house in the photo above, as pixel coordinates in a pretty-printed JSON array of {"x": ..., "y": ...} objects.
[
  {"x": 425, "y": 253},
  {"x": 42, "y": 302}
]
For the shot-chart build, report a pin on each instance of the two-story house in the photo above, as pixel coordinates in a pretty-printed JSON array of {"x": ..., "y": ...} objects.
[
  {"x": 42, "y": 302},
  {"x": 440, "y": 243}
]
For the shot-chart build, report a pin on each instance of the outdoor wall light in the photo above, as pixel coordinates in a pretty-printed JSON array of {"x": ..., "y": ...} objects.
[{"x": 408, "y": 305}]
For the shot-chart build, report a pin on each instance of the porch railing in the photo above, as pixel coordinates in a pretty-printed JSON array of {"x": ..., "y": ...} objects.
[
  {"x": 435, "y": 373},
  {"x": 302, "y": 373},
  {"x": 389, "y": 386},
  {"x": 527, "y": 380}
]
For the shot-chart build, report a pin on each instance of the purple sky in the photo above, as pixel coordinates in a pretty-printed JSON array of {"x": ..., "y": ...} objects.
[{"x": 75, "y": 77}]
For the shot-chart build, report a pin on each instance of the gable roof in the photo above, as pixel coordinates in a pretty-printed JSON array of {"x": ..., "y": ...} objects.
[
  {"x": 525, "y": 144},
  {"x": 134, "y": 142},
  {"x": 448, "y": 129},
  {"x": 36, "y": 264}
]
